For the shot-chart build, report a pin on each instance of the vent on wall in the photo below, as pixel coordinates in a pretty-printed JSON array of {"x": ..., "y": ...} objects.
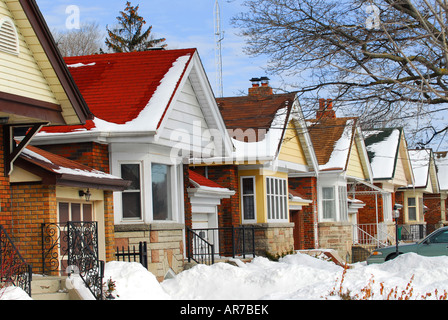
[{"x": 8, "y": 37}]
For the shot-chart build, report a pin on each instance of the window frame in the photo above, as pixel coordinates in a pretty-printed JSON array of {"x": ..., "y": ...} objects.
[
  {"x": 170, "y": 201},
  {"x": 333, "y": 217},
  {"x": 277, "y": 197},
  {"x": 414, "y": 206},
  {"x": 140, "y": 191},
  {"x": 253, "y": 194}
]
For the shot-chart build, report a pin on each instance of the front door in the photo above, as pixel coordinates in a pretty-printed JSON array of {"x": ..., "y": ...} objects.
[{"x": 73, "y": 212}]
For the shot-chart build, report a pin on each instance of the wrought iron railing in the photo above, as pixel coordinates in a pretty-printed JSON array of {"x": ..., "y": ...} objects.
[
  {"x": 199, "y": 249},
  {"x": 13, "y": 268},
  {"x": 132, "y": 255},
  {"x": 204, "y": 244},
  {"x": 412, "y": 232},
  {"x": 73, "y": 248}
]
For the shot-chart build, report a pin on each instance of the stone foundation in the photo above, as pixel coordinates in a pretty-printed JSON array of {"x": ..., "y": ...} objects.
[
  {"x": 337, "y": 236},
  {"x": 165, "y": 245},
  {"x": 274, "y": 238}
]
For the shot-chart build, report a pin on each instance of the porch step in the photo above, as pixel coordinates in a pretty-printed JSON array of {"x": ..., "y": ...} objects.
[{"x": 49, "y": 288}]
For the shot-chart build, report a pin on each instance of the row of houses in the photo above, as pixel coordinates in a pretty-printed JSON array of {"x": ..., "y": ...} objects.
[{"x": 138, "y": 144}]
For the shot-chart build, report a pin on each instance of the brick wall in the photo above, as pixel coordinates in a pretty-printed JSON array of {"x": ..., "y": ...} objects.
[
  {"x": 32, "y": 205},
  {"x": 5, "y": 192},
  {"x": 92, "y": 154},
  {"x": 306, "y": 219},
  {"x": 227, "y": 177},
  {"x": 96, "y": 156}
]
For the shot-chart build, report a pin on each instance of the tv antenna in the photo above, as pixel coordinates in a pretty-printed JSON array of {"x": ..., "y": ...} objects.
[{"x": 219, "y": 36}]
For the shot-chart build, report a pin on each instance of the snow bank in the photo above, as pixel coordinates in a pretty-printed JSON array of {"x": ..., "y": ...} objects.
[
  {"x": 297, "y": 276},
  {"x": 133, "y": 282}
]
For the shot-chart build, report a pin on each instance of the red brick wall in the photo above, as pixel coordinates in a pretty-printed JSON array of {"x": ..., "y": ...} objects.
[
  {"x": 91, "y": 154},
  {"x": 32, "y": 205},
  {"x": 96, "y": 156},
  {"x": 5, "y": 193},
  {"x": 227, "y": 177},
  {"x": 304, "y": 236},
  {"x": 433, "y": 215}
]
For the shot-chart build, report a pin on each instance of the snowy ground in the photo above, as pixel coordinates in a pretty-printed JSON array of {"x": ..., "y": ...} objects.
[{"x": 297, "y": 276}]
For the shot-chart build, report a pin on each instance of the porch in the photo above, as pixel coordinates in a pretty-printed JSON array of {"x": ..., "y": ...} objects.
[{"x": 370, "y": 236}]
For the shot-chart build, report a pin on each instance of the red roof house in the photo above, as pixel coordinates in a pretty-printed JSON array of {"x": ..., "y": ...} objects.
[{"x": 152, "y": 111}]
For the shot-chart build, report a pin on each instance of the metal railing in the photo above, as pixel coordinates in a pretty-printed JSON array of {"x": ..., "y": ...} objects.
[
  {"x": 372, "y": 234},
  {"x": 13, "y": 268},
  {"x": 204, "y": 244},
  {"x": 411, "y": 232},
  {"x": 132, "y": 255},
  {"x": 73, "y": 248}
]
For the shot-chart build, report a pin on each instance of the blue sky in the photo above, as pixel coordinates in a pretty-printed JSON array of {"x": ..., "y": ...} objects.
[{"x": 185, "y": 24}]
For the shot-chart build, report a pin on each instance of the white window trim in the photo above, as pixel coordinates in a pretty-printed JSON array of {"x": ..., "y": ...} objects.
[
  {"x": 120, "y": 200},
  {"x": 283, "y": 201},
  {"x": 338, "y": 216},
  {"x": 242, "y": 203},
  {"x": 322, "y": 204}
]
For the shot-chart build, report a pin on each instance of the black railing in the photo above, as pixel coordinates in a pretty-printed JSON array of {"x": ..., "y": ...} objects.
[
  {"x": 199, "y": 249},
  {"x": 412, "y": 232},
  {"x": 205, "y": 244},
  {"x": 13, "y": 268},
  {"x": 132, "y": 255},
  {"x": 73, "y": 248}
]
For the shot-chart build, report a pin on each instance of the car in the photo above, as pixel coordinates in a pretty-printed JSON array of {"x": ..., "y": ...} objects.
[{"x": 435, "y": 244}]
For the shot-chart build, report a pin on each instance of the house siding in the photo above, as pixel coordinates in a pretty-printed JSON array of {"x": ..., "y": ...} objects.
[{"x": 21, "y": 74}]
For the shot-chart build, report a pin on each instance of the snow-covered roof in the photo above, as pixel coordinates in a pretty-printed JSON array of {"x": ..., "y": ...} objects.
[
  {"x": 382, "y": 148},
  {"x": 127, "y": 92},
  {"x": 64, "y": 171},
  {"x": 420, "y": 160},
  {"x": 332, "y": 140},
  {"x": 441, "y": 160}
]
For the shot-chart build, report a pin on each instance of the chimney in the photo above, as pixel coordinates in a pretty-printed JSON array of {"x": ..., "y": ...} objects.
[
  {"x": 257, "y": 90},
  {"x": 325, "y": 109}
]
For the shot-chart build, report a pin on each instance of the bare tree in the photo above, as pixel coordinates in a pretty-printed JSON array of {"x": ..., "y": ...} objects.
[
  {"x": 79, "y": 42},
  {"x": 383, "y": 60}
]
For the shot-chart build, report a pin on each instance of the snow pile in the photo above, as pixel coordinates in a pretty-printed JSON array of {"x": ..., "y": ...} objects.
[
  {"x": 133, "y": 282},
  {"x": 297, "y": 276}
]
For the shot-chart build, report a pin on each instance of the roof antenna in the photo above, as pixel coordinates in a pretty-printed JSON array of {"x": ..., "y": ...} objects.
[{"x": 219, "y": 36}]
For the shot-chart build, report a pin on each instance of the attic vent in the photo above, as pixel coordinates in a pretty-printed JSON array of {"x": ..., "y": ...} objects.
[{"x": 8, "y": 37}]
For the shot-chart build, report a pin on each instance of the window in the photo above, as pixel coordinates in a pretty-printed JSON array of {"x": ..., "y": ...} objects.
[
  {"x": 328, "y": 203},
  {"x": 161, "y": 192},
  {"x": 412, "y": 209},
  {"x": 248, "y": 198},
  {"x": 8, "y": 37},
  {"x": 277, "y": 198},
  {"x": 131, "y": 198},
  {"x": 387, "y": 207},
  {"x": 343, "y": 206}
]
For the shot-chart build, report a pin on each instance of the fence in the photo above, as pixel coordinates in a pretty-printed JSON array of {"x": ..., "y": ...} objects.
[
  {"x": 204, "y": 244},
  {"x": 13, "y": 268},
  {"x": 132, "y": 255}
]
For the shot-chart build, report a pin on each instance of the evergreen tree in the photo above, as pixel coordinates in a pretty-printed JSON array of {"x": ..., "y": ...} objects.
[{"x": 128, "y": 36}]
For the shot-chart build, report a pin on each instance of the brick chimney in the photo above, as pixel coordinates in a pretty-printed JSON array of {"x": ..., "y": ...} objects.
[
  {"x": 260, "y": 87},
  {"x": 325, "y": 109}
]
